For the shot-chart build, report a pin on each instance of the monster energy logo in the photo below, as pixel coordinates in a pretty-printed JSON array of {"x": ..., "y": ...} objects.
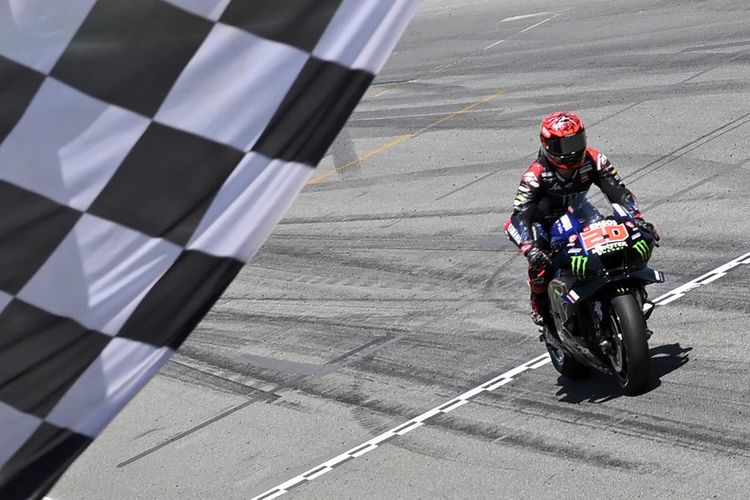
[
  {"x": 578, "y": 265},
  {"x": 642, "y": 248}
]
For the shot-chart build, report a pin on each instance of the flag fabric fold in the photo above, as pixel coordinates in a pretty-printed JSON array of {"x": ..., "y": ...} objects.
[{"x": 147, "y": 148}]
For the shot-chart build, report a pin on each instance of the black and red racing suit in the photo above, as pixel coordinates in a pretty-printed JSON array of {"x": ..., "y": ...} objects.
[{"x": 544, "y": 195}]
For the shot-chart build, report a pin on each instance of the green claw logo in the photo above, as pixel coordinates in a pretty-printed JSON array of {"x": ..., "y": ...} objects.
[
  {"x": 578, "y": 265},
  {"x": 642, "y": 248}
]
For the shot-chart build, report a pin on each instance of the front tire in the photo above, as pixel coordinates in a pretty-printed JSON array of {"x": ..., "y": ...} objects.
[{"x": 630, "y": 357}]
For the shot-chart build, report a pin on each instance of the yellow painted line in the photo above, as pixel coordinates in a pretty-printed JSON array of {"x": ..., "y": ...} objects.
[
  {"x": 459, "y": 112},
  {"x": 356, "y": 161},
  {"x": 384, "y": 92},
  {"x": 432, "y": 71},
  {"x": 401, "y": 139}
]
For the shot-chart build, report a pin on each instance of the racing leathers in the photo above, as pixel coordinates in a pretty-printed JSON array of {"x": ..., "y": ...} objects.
[{"x": 542, "y": 197}]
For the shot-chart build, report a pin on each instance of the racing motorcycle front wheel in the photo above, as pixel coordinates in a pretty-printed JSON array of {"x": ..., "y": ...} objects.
[{"x": 629, "y": 354}]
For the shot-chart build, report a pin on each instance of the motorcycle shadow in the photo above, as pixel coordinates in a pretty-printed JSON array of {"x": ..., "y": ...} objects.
[{"x": 600, "y": 388}]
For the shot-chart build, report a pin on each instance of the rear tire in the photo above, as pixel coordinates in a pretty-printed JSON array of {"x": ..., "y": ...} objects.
[
  {"x": 630, "y": 358},
  {"x": 567, "y": 365}
]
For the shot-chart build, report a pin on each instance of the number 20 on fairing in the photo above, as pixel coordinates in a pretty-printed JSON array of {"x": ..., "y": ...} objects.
[{"x": 603, "y": 234}]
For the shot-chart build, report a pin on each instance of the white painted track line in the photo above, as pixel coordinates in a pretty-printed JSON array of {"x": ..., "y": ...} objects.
[
  {"x": 493, "y": 44},
  {"x": 488, "y": 386},
  {"x": 525, "y": 16},
  {"x": 537, "y": 24}
]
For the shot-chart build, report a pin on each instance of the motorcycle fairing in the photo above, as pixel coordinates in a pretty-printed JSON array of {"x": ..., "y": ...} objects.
[{"x": 641, "y": 277}]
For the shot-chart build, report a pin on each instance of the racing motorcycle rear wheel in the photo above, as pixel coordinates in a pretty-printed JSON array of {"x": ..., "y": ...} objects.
[{"x": 629, "y": 354}]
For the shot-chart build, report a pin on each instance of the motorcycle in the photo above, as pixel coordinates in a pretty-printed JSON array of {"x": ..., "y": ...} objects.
[{"x": 598, "y": 301}]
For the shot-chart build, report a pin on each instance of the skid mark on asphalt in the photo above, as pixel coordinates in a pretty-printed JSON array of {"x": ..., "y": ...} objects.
[
  {"x": 403, "y": 428},
  {"x": 688, "y": 147},
  {"x": 331, "y": 366},
  {"x": 266, "y": 395},
  {"x": 488, "y": 386},
  {"x": 468, "y": 184},
  {"x": 691, "y": 435},
  {"x": 685, "y": 148},
  {"x": 725, "y": 170},
  {"x": 682, "y": 151}
]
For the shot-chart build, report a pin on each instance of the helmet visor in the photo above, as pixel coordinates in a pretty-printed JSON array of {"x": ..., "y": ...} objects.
[
  {"x": 568, "y": 144},
  {"x": 567, "y": 150}
]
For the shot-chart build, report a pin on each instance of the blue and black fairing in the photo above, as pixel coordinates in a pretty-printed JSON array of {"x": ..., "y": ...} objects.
[{"x": 594, "y": 272}]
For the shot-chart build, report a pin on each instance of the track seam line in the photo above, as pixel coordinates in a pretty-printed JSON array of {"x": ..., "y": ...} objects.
[{"x": 488, "y": 386}]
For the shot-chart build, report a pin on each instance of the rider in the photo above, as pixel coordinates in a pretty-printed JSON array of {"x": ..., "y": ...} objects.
[{"x": 558, "y": 179}]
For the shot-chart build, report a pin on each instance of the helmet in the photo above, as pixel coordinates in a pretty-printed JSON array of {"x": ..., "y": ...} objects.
[{"x": 563, "y": 141}]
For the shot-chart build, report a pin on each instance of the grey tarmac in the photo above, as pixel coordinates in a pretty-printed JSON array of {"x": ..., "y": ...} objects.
[{"x": 388, "y": 289}]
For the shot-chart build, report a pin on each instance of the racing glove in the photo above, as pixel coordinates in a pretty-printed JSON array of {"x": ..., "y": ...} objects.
[
  {"x": 648, "y": 227},
  {"x": 537, "y": 257}
]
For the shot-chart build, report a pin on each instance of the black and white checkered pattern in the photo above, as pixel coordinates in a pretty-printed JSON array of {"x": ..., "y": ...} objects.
[{"x": 147, "y": 148}]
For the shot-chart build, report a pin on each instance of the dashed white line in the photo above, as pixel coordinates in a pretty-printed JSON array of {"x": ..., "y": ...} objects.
[
  {"x": 497, "y": 385},
  {"x": 665, "y": 301},
  {"x": 455, "y": 405},
  {"x": 703, "y": 279},
  {"x": 368, "y": 447},
  {"x": 318, "y": 473},
  {"x": 493, "y": 44},
  {"x": 403, "y": 428},
  {"x": 525, "y": 16},
  {"x": 537, "y": 24},
  {"x": 542, "y": 362},
  {"x": 408, "y": 428},
  {"x": 488, "y": 386}
]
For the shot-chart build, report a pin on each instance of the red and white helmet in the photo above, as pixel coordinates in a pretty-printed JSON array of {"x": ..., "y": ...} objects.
[{"x": 563, "y": 141}]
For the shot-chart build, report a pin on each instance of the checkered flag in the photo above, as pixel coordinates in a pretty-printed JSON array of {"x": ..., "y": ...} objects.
[{"x": 147, "y": 148}]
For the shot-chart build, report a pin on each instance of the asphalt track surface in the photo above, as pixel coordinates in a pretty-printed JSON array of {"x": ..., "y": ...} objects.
[{"x": 388, "y": 291}]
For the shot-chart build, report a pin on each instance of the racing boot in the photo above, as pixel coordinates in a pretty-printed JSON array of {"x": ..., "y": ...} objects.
[{"x": 539, "y": 308}]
